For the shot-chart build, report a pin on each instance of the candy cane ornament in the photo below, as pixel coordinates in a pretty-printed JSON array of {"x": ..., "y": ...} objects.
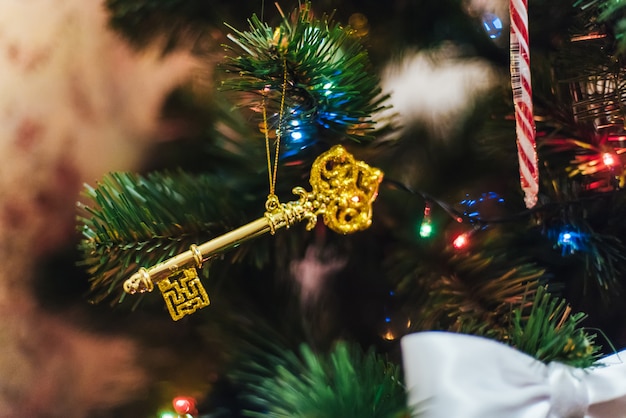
[{"x": 522, "y": 98}]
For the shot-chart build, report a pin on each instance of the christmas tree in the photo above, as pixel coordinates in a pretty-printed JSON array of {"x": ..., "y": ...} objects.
[{"x": 409, "y": 216}]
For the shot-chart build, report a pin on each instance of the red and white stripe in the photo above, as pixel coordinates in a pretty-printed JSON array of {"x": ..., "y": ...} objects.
[{"x": 522, "y": 97}]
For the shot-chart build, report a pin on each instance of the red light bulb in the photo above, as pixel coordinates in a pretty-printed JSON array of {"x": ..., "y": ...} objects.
[
  {"x": 608, "y": 159},
  {"x": 460, "y": 242},
  {"x": 184, "y": 405}
]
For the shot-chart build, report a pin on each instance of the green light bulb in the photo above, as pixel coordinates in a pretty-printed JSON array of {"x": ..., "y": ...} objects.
[{"x": 426, "y": 229}]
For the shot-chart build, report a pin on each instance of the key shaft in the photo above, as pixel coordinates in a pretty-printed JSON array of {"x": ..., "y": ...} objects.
[{"x": 144, "y": 279}]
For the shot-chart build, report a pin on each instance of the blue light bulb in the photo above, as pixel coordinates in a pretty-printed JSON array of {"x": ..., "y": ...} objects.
[
  {"x": 565, "y": 238},
  {"x": 570, "y": 241},
  {"x": 298, "y": 132},
  {"x": 492, "y": 25}
]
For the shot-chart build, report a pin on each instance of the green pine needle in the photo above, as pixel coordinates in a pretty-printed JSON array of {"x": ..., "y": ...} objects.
[
  {"x": 605, "y": 9},
  {"x": 549, "y": 333},
  {"x": 135, "y": 221},
  {"x": 610, "y": 12},
  {"x": 329, "y": 87},
  {"x": 604, "y": 260},
  {"x": 347, "y": 383},
  {"x": 478, "y": 292}
]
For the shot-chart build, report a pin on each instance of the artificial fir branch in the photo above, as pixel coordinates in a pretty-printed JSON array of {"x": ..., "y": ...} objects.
[
  {"x": 592, "y": 218},
  {"x": 610, "y": 12},
  {"x": 136, "y": 221},
  {"x": 474, "y": 288},
  {"x": 479, "y": 292},
  {"x": 549, "y": 332},
  {"x": 584, "y": 198},
  {"x": 344, "y": 383},
  {"x": 600, "y": 256},
  {"x": 330, "y": 92}
]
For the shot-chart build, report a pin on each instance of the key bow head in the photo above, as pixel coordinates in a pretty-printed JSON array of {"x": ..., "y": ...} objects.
[{"x": 344, "y": 190}]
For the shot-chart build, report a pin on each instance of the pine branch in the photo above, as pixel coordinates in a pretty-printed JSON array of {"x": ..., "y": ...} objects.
[
  {"x": 139, "y": 221},
  {"x": 583, "y": 197},
  {"x": 549, "y": 333},
  {"x": 480, "y": 293},
  {"x": 474, "y": 291},
  {"x": 610, "y": 12},
  {"x": 344, "y": 383},
  {"x": 602, "y": 256},
  {"x": 328, "y": 90}
]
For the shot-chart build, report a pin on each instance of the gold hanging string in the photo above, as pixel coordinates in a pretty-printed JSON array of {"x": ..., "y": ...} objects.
[{"x": 272, "y": 199}]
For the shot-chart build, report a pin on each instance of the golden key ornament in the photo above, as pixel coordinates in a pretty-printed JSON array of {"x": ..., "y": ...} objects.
[{"x": 343, "y": 192}]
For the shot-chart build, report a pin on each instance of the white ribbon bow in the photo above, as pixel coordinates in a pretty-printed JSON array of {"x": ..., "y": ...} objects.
[{"x": 462, "y": 376}]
